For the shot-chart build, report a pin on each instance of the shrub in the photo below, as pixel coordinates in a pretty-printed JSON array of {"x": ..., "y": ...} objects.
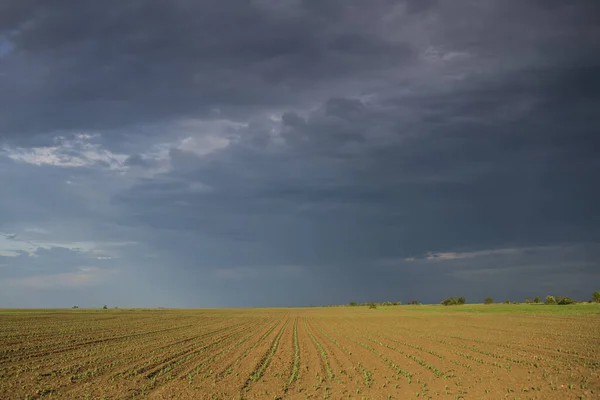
[
  {"x": 453, "y": 301},
  {"x": 537, "y": 299},
  {"x": 566, "y": 300},
  {"x": 398, "y": 303},
  {"x": 105, "y": 307},
  {"x": 371, "y": 305},
  {"x": 488, "y": 300},
  {"x": 558, "y": 299},
  {"x": 550, "y": 300},
  {"x": 450, "y": 301},
  {"x": 528, "y": 301},
  {"x": 596, "y": 297},
  {"x": 352, "y": 304},
  {"x": 414, "y": 302}
]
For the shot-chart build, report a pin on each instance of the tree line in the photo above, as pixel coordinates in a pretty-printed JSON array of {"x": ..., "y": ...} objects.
[
  {"x": 457, "y": 301},
  {"x": 560, "y": 300}
]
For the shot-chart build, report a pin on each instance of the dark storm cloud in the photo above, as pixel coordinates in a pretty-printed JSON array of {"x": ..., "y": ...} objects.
[
  {"x": 86, "y": 65},
  {"x": 483, "y": 171},
  {"x": 305, "y": 144},
  {"x": 484, "y": 180}
]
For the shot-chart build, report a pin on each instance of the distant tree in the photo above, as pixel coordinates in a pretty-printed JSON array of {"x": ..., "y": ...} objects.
[
  {"x": 105, "y": 307},
  {"x": 450, "y": 301},
  {"x": 528, "y": 301},
  {"x": 352, "y": 304},
  {"x": 75, "y": 307},
  {"x": 507, "y": 301},
  {"x": 454, "y": 301},
  {"x": 550, "y": 300},
  {"x": 596, "y": 297},
  {"x": 372, "y": 305},
  {"x": 414, "y": 302},
  {"x": 565, "y": 301},
  {"x": 398, "y": 303},
  {"x": 537, "y": 299},
  {"x": 488, "y": 300}
]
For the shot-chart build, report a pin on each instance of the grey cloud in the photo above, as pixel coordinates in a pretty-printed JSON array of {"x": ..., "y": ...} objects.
[
  {"x": 318, "y": 137},
  {"x": 137, "y": 160},
  {"x": 86, "y": 66},
  {"x": 451, "y": 178},
  {"x": 104, "y": 67}
]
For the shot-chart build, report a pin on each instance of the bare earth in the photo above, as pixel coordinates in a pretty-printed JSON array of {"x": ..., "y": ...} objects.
[{"x": 400, "y": 352}]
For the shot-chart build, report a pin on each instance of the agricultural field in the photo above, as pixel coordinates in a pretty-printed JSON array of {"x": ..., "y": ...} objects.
[{"x": 398, "y": 352}]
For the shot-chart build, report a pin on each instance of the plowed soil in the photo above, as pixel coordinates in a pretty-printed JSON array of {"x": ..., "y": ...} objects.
[{"x": 396, "y": 352}]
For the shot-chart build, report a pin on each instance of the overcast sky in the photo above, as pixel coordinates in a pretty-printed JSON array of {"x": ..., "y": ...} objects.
[{"x": 297, "y": 152}]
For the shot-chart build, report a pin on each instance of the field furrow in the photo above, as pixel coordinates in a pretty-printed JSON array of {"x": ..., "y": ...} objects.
[{"x": 396, "y": 352}]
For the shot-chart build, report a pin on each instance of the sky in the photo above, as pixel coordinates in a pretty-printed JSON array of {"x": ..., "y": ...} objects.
[{"x": 253, "y": 153}]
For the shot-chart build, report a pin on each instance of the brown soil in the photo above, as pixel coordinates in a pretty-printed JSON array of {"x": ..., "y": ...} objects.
[{"x": 335, "y": 353}]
